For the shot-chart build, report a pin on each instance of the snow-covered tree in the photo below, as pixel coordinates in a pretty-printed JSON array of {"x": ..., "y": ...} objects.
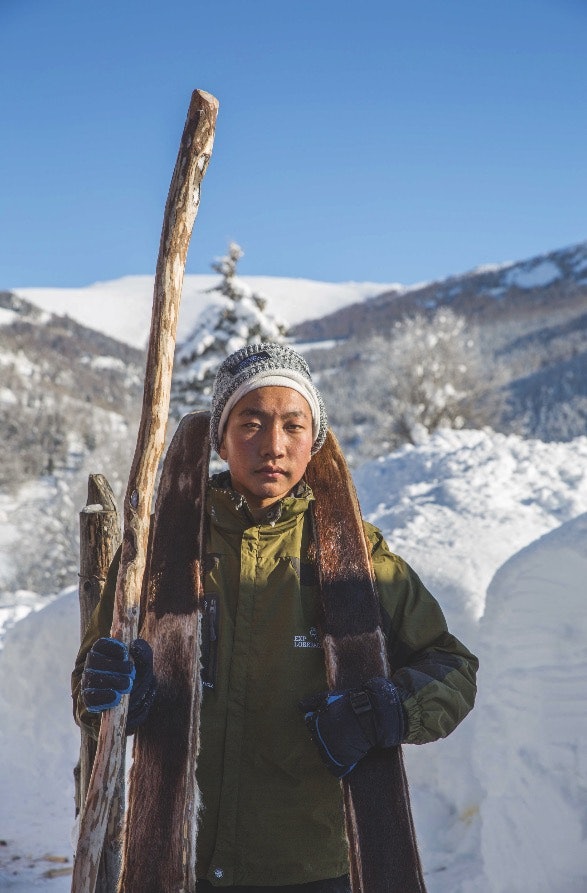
[
  {"x": 429, "y": 370},
  {"x": 428, "y": 373},
  {"x": 237, "y": 316}
]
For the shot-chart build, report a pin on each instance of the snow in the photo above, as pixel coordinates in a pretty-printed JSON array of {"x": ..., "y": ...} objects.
[
  {"x": 496, "y": 527},
  {"x": 531, "y": 727},
  {"x": 38, "y": 745},
  {"x": 121, "y": 308},
  {"x": 8, "y": 397},
  {"x": 20, "y": 362},
  {"x": 458, "y": 507},
  {"x": 481, "y": 269},
  {"x": 7, "y": 317},
  {"x": 15, "y": 606},
  {"x": 8, "y": 537},
  {"x": 107, "y": 363},
  {"x": 534, "y": 276},
  {"x": 479, "y": 488}
]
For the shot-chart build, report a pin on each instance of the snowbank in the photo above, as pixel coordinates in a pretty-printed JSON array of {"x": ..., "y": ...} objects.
[
  {"x": 498, "y": 805},
  {"x": 531, "y": 725},
  {"x": 458, "y": 505},
  {"x": 39, "y": 744}
]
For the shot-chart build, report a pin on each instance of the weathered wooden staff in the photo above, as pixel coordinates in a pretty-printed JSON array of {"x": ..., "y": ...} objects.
[
  {"x": 99, "y": 533},
  {"x": 180, "y": 214}
]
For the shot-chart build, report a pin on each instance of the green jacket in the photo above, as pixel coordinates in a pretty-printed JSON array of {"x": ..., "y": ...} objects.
[{"x": 271, "y": 812}]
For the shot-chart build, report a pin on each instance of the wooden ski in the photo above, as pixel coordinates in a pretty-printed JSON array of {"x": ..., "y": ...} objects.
[
  {"x": 180, "y": 214},
  {"x": 383, "y": 853},
  {"x": 159, "y": 853}
]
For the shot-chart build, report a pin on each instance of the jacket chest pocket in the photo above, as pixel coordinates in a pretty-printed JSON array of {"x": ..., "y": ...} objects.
[{"x": 209, "y": 640}]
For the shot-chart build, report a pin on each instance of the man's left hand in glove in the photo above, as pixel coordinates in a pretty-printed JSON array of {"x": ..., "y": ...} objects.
[{"x": 346, "y": 725}]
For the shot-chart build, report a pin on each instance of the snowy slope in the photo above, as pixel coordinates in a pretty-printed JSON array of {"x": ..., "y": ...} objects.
[
  {"x": 458, "y": 507},
  {"x": 531, "y": 725},
  {"x": 38, "y": 745},
  {"x": 121, "y": 308}
]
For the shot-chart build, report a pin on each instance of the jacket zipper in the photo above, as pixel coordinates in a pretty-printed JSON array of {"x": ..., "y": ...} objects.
[{"x": 210, "y": 680}]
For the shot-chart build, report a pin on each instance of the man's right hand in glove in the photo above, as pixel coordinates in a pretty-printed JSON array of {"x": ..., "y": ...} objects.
[{"x": 112, "y": 670}]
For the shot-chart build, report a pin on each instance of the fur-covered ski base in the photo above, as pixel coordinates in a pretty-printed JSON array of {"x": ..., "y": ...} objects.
[
  {"x": 383, "y": 851},
  {"x": 159, "y": 846}
]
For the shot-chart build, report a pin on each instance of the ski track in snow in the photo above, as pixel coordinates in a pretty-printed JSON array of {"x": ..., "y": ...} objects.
[{"x": 495, "y": 526}]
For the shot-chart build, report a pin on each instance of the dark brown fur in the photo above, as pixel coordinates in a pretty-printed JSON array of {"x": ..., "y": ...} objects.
[
  {"x": 159, "y": 845},
  {"x": 382, "y": 844}
]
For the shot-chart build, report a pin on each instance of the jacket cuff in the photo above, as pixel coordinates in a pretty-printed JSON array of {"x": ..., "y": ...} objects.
[{"x": 413, "y": 721}]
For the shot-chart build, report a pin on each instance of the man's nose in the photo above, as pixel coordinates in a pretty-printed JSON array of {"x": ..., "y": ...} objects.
[{"x": 273, "y": 442}]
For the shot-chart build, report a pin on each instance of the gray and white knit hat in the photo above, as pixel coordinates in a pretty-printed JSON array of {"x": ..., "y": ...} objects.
[{"x": 264, "y": 365}]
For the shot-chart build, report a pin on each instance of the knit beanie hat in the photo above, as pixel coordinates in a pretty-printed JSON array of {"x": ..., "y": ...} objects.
[{"x": 258, "y": 366}]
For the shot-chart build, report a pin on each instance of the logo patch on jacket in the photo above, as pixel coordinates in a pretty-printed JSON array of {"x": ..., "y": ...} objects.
[{"x": 310, "y": 641}]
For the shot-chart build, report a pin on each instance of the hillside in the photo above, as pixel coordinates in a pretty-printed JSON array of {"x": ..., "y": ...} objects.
[
  {"x": 529, "y": 293},
  {"x": 530, "y": 319},
  {"x": 69, "y": 398}
]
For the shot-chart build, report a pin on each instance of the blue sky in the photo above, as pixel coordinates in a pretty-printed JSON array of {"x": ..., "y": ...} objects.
[{"x": 385, "y": 141}]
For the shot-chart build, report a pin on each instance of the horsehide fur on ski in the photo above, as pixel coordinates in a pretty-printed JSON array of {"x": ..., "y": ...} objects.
[
  {"x": 160, "y": 834},
  {"x": 383, "y": 851}
]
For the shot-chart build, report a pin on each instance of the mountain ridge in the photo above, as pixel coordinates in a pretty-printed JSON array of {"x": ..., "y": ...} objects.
[
  {"x": 122, "y": 307},
  {"x": 485, "y": 293}
]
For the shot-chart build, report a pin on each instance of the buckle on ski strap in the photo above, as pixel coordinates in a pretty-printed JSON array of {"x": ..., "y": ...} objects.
[{"x": 360, "y": 702}]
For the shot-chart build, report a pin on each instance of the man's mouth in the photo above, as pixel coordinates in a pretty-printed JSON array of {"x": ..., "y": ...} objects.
[{"x": 270, "y": 471}]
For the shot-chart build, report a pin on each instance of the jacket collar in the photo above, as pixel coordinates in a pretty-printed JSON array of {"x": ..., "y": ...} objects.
[{"x": 229, "y": 508}]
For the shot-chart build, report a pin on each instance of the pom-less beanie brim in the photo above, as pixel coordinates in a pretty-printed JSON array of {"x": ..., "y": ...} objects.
[
  {"x": 264, "y": 365},
  {"x": 274, "y": 379}
]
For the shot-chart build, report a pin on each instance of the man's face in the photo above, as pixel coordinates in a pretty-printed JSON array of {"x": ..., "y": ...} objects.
[{"x": 267, "y": 444}]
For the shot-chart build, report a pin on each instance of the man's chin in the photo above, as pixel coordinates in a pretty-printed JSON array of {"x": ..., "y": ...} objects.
[{"x": 270, "y": 492}]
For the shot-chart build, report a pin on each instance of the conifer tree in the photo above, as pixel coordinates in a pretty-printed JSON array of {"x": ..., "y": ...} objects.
[{"x": 237, "y": 316}]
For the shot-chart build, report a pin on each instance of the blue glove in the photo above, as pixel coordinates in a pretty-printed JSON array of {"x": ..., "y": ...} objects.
[
  {"x": 346, "y": 725},
  {"x": 144, "y": 688},
  {"x": 112, "y": 670}
]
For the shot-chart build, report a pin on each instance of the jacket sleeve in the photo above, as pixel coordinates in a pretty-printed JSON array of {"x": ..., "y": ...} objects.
[
  {"x": 434, "y": 672},
  {"x": 100, "y": 625}
]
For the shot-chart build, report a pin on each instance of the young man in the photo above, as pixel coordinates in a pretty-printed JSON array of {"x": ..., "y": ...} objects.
[{"x": 271, "y": 804}]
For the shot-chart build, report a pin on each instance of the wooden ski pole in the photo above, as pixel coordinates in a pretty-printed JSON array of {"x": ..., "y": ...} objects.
[
  {"x": 99, "y": 539},
  {"x": 178, "y": 221}
]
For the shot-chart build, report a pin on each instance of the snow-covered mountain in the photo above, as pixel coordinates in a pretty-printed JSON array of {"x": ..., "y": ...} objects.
[
  {"x": 496, "y": 527},
  {"x": 69, "y": 399},
  {"x": 551, "y": 286},
  {"x": 529, "y": 319},
  {"x": 121, "y": 308}
]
